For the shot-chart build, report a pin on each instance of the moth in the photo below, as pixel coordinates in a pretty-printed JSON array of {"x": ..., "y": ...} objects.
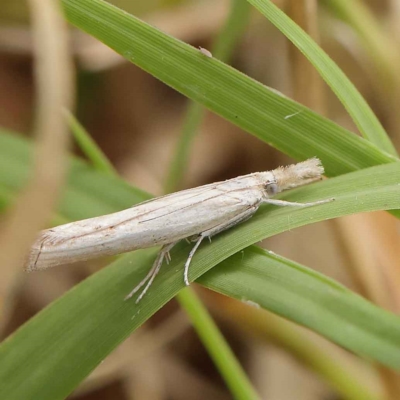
[{"x": 194, "y": 214}]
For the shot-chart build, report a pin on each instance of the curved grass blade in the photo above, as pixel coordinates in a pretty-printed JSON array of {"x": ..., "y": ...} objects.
[
  {"x": 59, "y": 347},
  {"x": 357, "y": 107},
  {"x": 301, "y": 295},
  {"x": 236, "y": 97}
]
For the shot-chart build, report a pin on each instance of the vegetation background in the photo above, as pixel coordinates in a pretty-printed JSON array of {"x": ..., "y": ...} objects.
[{"x": 158, "y": 141}]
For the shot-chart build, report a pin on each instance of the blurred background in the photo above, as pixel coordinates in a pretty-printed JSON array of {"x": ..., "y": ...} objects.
[{"x": 136, "y": 120}]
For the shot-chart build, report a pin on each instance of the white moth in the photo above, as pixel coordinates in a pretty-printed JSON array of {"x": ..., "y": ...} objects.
[{"x": 196, "y": 214}]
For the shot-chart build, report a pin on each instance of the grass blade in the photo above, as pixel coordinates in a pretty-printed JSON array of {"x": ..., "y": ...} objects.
[
  {"x": 243, "y": 101},
  {"x": 283, "y": 287},
  {"x": 101, "y": 319},
  {"x": 357, "y": 107}
]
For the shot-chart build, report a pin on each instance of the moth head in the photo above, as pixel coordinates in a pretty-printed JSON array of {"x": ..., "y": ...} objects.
[{"x": 298, "y": 174}]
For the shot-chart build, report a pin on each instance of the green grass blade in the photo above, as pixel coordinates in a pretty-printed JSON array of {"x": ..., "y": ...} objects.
[
  {"x": 357, "y": 107},
  {"x": 252, "y": 106},
  {"x": 379, "y": 45},
  {"x": 57, "y": 349},
  {"x": 232, "y": 30},
  {"x": 88, "y": 146},
  {"x": 216, "y": 345},
  {"x": 70, "y": 344},
  {"x": 301, "y": 295},
  {"x": 222, "y": 50},
  {"x": 83, "y": 197},
  {"x": 192, "y": 120}
]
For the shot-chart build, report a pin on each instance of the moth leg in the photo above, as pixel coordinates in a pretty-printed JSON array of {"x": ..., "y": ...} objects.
[
  {"x": 291, "y": 203},
  {"x": 149, "y": 278},
  {"x": 245, "y": 215},
  {"x": 189, "y": 259}
]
